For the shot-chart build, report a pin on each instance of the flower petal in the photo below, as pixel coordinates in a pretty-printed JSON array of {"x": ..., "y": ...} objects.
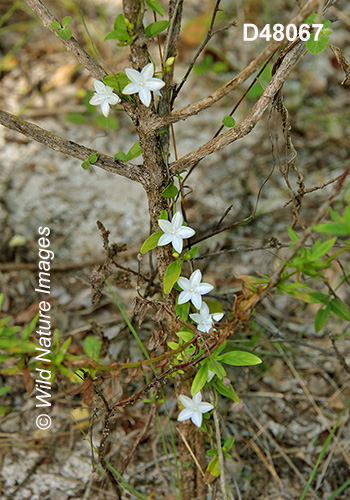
[
  {"x": 197, "y": 418},
  {"x": 184, "y": 283},
  {"x": 196, "y": 277},
  {"x": 196, "y": 300},
  {"x": 197, "y": 318},
  {"x": 145, "y": 96},
  {"x": 114, "y": 99},
  {"x": 105, "y": 108},
  {"x": 131, "y": 88},
  {"x": 184, "y": 297},
  {"x": 100, "y": 87},
  {"x": 203, "y": 288},
  {"x": 186, "y": 232},
  {"x": 155, "y": 84},
  {"x": 205, "y": 407},
  {"x": 217, "y": 316},
  {"x": 184, "y": 415},
  {"x": 177, "y": 220},
  {"x": 165, "y": 225},
  {"x": 204, "y": 309},
  {"x": 197, "y": 398},
  {"x": 178, "y": 243},
  {"x": 185, "y": 401},
  {"x": 147, "y": 72},
  {"x": 133, "y": 75},
  {"x": 164, "y": 239},
  {"x": 97, "y": 99}
]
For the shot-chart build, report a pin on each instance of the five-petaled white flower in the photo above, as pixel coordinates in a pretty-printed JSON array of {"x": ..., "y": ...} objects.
[
  {"x": 194, "y": 408},
  {"x": 204, "y": 319},
  {"x": 104, "y": 96},
  {"x": 142, "y": 83},
  {"x": 193, "y": 289},
  {"x": 174, "y": 232}
]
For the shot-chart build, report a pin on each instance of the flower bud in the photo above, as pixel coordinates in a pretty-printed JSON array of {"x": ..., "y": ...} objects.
[{"x": 169, "y": 62}]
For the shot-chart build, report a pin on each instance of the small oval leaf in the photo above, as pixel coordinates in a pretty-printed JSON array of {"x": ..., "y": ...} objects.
[
  {"x": 151, "y": 242},
  {"x": 239, "y": 358},
  {"x": 171, "y": 276},
  {"x": 200, "y": 379},
  {"x": 154, "y": 29}
]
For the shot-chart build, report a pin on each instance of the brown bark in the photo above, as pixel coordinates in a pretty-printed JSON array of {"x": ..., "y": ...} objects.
[{"x": 65, "y": 146}]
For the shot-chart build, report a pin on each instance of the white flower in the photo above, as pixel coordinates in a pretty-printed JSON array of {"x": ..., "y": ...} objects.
[
  {"x": 194, "y": 408},
  {"x": 174, "y": 232},
  {"x": 103, "y": 96},
  {"x": 193, "y": 289},
  {"x": 204, "y": 319},
  {"x": 142, "y": 83}
]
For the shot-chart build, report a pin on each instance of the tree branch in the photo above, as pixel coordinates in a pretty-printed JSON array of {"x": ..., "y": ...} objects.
[
  {"x": 71, "y": 45},
  {"x": 70, "y": 148},
  {"x": 208, "y": 101},
  {"x": 250, "y": 121}
]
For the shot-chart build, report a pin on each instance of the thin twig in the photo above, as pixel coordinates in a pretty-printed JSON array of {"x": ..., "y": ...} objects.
[
  {"x": 208, "y": 101},
  {"x": 209, "y": 36},
  {"x": 65, "y": 146},
  {"x": 247, "y": 125},
  {"x": 71, "y": 45}
]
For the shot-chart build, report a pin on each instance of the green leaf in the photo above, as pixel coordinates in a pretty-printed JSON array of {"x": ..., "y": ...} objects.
[
  {"x": 214, "y": 467},
  {"x": 4, "y": 410},
  {"x": 321, "y": 318},
  {"x": 170, "y": 191},
  {"x": 228, "y": 121},
  {"x": 200, "y": 379},
  {"x": 317, "y": 297},
  {"x": 293, "y": 235},
  {"x": 228, "y": 392},
  {"x": 85, "y": 165},
  {"x": 118, "y": 81},
  {"x": 4, "y": 390},
  {"x": 317, "y": 47},
  {"x": 184, "y": 335},
  {"x": 65, "y": 34},
  {"x": 120, "y": 156},
  {"x": 171, "y": 276},
  {"x": 320, "y": 249},
  {"x": 92, "y": 347},
  {"x": 76, "y": 118},
  {"x": 339, "y": 309},
  {"x": 191, "y": 253},
  {"x": 134, "y": 151},
  {"x": 229, "y": 443},
  {"x": 93, "y": 158},
  {"x": 156, "y": 6},
  {"x": 120, "y": 31},
  {"x": 182, "y": 310},
  {"x": 62, "y": 351},
  {"x": 173, "y": 345},
  {"x": 66, "y": 20},
  {"x": 217, "y": 368},
  {"x": 55, "y": 25},
  {"x": 154, "y": 29},
  {"x": 212, "y": 452},
  {"x": 151, "y": 242},
  {"x": 239, "y": 358},
  {"x": 163, "y": 215},
  {"x": 337, "y": 228},
  {"x": 29, "y": 328}
]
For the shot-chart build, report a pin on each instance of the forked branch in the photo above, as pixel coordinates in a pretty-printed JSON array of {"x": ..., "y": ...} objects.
[{"x": 250, "y": 121}]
